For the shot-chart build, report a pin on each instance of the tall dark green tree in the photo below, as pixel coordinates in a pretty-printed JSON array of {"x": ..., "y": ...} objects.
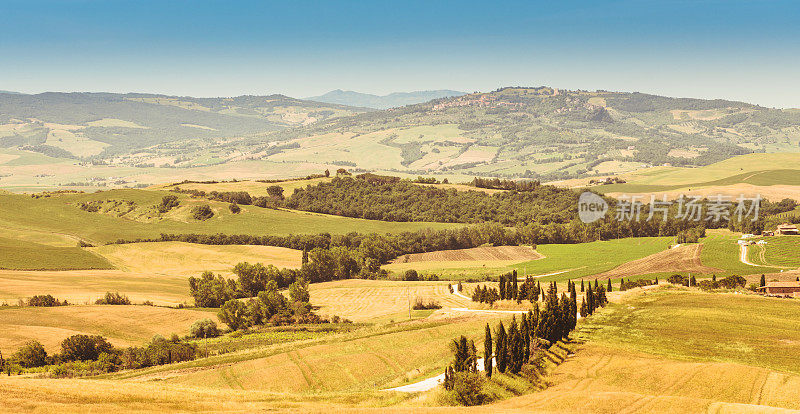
[
  {"x": 500, "y": 351},
  {"x": 610, "y": 289},
  {"x": 763, "y": 281},
  {"x": 487, "y": 351},
  {"x": 582, "y": 288}
]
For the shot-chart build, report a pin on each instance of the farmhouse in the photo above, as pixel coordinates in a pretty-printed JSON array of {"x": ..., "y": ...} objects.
[
  {"x": 781, "y": 288},
  {"x": 787, "y": 229}
]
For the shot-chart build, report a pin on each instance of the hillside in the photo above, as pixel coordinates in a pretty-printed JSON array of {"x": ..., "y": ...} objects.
[
  {"x": 521, "y": 133},
  {"x": 89, "y": 124},
  {"x": 392, "y": 100},
  {"x": 543, "y": 133}
]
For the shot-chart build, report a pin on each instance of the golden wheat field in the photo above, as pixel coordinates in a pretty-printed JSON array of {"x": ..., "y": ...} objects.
[{"x": 123, "y": 325}]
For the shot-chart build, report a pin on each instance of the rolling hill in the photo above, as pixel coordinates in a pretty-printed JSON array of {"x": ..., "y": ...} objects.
[{"x": 89, "y": 124}]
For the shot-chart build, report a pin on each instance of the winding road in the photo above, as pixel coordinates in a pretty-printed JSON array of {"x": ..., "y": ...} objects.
[{"x": 433, "y": 382}]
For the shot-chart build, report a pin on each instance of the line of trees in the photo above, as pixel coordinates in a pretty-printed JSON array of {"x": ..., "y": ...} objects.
[
  {"x": 92, "y": 354},
  {"x": 510, "y": 350}
]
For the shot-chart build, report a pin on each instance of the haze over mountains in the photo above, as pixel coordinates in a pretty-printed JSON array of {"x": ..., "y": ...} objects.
[
  {"x": 391, "y": 100},
  {"x": 536, "y": 133}
]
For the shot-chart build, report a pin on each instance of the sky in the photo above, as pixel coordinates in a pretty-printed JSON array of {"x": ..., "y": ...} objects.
[{"x": 743, "y": 50}]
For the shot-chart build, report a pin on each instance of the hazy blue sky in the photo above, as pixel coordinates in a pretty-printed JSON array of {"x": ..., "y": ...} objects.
[{"x": 746, "y": 50}]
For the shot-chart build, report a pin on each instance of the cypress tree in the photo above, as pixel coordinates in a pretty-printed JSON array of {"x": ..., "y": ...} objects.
[
  {"x": 487, "y": 351},
  {"x": 502, "y": 286},
  {"x": 584, "y": 310},
  {"x": 514, "y": 287},
  {"x": 526, "y": 336},
  {"x": 596, "y": 285},
  {"x": 693, "y": 281},
  {"x": 763, "y": 281},
  {"x": 656, "y": 280},
  {"x": 500, "y": 348},
  {"x": 713, "y": 278},
  {"x": 609, "y": 285},
  {"x": 582, "y": 289},
  {"x": 621, "y": 284},
  {"x": 514, "y": 347}
]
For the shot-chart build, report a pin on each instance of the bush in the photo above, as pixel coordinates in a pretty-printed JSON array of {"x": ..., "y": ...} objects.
[
  {"x": 730, "y": 282},
  {"x": 420, "y": 304},
  {"x": 113, "y": 299},
  {"x": 32, "y": 354},
  {"x": 467, "y": 390},
  {"x": 234, "y": 208},
  {"x": 678, "y": 280},
  {"x": 202, "y": 212},
  {"x": 168, "y": 203},
  {"x": 45, "y": 301},
  {"x": 204, "y": 328},
  {"x": 84, "y": 347},
  {"x": 411, "y": 275}
]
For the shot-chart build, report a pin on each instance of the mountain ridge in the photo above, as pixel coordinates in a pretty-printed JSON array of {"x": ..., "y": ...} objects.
[{"x": 392, "y": 100}]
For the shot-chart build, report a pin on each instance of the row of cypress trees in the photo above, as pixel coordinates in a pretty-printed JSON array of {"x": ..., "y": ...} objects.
[{"x": 508, "y": 350}]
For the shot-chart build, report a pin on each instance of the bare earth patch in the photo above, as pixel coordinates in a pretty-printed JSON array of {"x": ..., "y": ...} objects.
[
  {"x": 477, "y": 253},
  {"x": 680, "y": 259}
]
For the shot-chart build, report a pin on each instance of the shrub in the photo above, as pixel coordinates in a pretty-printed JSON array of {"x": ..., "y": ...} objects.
[
  {"x": 467, "y": 389},
  {"x": 234, "y": 208},
  {"x": 678, "y": 280},
  {"x": 204, "y": 328},
  {"x": 411, "y": 275},
  {"x": 420, "y": 304},
  {"x": 32, "y": 354},
  {"x": 84, "y": 347},
  {"x": 202, "y": 212},
  {"x": 168, "y": 203},
  {"x": 45, "y": 301},
  {"x": 113, "y": 299}
]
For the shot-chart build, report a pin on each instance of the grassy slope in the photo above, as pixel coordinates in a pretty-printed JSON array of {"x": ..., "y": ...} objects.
[
  {"x": 376, "y": 300},
  {"x": 60, "y": 214},
  {"x": 85, "y": 286},
  {"x": 782, "y": 251},
  {"x": 21, "y": 255},
  {"x": 579, "y": 260},
  {"x": 122, "y": 325},
  {"x": 755, "y": 169},
  {"x": 177, "y": 258},
  {"x": 675, "y": 350},
  {"x": 721, "y": 251}
]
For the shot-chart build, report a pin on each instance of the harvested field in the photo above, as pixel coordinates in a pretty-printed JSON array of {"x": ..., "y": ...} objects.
[
  {"x": 684, "y": 258},
  {"x": 188, "y": 259},
  {"x": 375, "y": 300},
  {"x": 85, "y": 286},
  {"x": 122, "y": 325},
  {"x": 600, "y": 379},
  {"x": 511, "y": 253}
]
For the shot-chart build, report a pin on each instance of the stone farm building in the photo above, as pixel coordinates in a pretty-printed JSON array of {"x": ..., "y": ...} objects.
[
  {"x": 781, "y": 288},
  {"x": 787, "y": 229}
]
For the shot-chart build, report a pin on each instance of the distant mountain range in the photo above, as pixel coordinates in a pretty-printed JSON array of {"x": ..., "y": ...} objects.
[{"x": 392, "y": 100}]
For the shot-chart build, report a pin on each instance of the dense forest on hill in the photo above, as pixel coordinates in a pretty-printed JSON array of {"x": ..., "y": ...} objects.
[{"x": 390, "y": 200}]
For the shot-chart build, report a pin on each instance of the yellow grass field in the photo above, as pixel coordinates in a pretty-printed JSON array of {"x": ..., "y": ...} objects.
[
  {"x": 85, "y": 286},
  {"x": 378, "y": 300},
  {"x": 361, "y": 361},
  {"x": 601, "y": 379},
  {"x": 122, "y": 325},
  {"x": 187, "y": 259},
  {"x": 254, "y": 188}
]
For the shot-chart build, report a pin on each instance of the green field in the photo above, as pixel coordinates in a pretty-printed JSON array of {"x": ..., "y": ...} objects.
[
  {"x": 60, "y": 214},
  {"x": 779, "y": 251},
  {"x": 705, "y": 326},
  {"x": 760, "y": 178},
  {"x": 721, "y": 251},
  {"x": 679, "y": 350},
  {"x": 22, "y": 255}
]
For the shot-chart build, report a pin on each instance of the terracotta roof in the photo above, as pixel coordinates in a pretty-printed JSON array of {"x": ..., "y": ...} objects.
[{"x": 781, "y": 285}]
